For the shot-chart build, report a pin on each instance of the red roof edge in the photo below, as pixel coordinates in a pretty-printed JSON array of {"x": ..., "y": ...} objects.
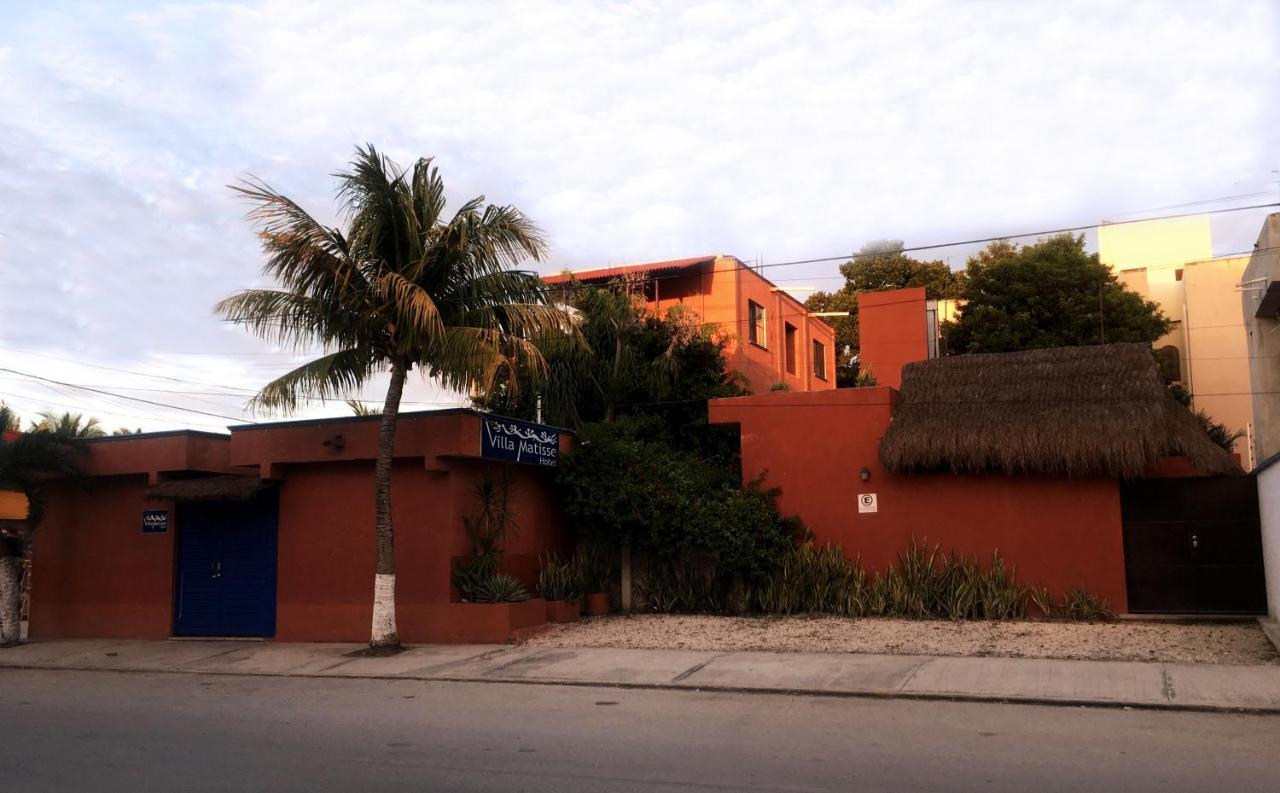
[{"x": 605, "y": 273}]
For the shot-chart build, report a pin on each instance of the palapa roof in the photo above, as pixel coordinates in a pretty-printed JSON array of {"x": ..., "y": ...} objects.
[
  {"x": 1073, "y": 411},
  {"x": 209, "y": 488}
]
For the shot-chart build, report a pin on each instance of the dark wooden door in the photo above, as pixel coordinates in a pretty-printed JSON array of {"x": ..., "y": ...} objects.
[{"x": 1193, "y": 546}]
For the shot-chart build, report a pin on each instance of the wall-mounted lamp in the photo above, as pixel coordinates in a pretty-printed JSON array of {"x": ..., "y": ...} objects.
[
  {"x": 336, "y": 442},
  {"x": 865, "y": 474}
]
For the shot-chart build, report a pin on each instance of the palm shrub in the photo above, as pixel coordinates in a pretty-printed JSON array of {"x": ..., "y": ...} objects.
[{"x": 403, "y": 286}]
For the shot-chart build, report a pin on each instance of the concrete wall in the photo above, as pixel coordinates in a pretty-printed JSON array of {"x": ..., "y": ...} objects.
[
  {"x": 1269, "y": 508},
  {"x": 1059, "y": 533},
  {"x": 1262, "y": 338}
]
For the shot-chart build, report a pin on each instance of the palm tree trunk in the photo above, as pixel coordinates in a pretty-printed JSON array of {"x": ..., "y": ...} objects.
[
  {"x": 384, "y": 632},
  {"x": 10, "y": 591}
]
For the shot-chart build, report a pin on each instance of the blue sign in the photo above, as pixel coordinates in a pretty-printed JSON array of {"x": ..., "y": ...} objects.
[
  {"x": 519, "y": 441},
  {"x": 155, "y": 521}
]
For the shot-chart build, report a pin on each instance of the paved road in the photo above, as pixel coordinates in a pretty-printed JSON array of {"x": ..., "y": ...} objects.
[{"x": 103, "y": 731}]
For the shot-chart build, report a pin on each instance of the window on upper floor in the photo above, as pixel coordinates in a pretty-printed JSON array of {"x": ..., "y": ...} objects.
[
  {"x": 819, "y": 360},
  {"x": 789, "y": 347},
  {"x": 756, "y": 325}
]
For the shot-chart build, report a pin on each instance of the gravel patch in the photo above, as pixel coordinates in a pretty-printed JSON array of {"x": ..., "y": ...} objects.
[{"x": 1204, "y": 643}]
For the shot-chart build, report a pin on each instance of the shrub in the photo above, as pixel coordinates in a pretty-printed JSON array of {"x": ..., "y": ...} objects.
[
  {"x": 627, "y": 484},
  {"x": 921, "y": 584},
  {"x": 493, "y": 588},
  {"x": 1080, "y": 605},
  {"x": 559, "y": 579}
]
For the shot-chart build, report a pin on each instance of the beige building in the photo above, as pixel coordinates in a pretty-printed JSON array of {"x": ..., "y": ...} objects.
[
  {"x": 1260, "y": 298},
  {"x": 1171, "y": 262}
]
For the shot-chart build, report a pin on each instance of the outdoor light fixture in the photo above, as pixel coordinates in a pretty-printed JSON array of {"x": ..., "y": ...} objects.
[{"x": 865, "y": 474}]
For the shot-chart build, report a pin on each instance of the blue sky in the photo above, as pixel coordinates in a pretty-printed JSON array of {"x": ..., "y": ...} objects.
[{"x": 629, "y": 131}]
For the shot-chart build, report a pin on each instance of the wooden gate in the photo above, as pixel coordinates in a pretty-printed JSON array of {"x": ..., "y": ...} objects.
[{"x": 1193, "y": 545}]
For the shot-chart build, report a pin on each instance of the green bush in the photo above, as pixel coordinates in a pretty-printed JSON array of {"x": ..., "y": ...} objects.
[
  {"x": 627, "y": 484},
  {"x": 923, "y": 583},
  {"x": 559, "y": 579}
]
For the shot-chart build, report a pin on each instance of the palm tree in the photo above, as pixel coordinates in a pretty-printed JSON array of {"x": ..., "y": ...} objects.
[
  {"x": 27, "y": 461},
  {"x": 403, "y": 286},
  {"x": 74, "y": 426}
]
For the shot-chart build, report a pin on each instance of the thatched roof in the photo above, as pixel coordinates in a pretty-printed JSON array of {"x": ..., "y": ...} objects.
[
  {"x": 1074, "y": 411},
  {"x": 208, "y": 488}
]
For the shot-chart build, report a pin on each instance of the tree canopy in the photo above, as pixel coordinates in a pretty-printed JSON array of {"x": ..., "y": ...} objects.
[
  {"x": 632, "y": 362},
  {"x": 876, "y": 267},
  {"x": 1048, "y": 294}
]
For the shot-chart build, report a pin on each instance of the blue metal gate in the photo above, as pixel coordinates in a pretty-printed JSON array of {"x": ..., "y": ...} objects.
[{"x": 227, "y": 568}]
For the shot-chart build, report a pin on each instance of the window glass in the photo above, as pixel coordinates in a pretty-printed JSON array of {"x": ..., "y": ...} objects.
[
  {"x": 819, "y": 360},
  {"x": 755, "y": 323}
]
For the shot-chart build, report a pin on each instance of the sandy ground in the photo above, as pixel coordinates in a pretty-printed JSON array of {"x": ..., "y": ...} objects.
[{"x": 1211, "y": 643}]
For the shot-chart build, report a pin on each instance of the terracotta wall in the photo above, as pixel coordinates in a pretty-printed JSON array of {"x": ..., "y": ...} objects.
[
  {"x": 327, "y": 552},
  {"x": 892, "y": 331},
  {"x": 1059, "y": 533},
  {"x": 95, "y": 574}
]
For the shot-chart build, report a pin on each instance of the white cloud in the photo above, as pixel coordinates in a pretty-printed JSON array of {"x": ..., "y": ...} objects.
[{"x": 629, "y": 131}]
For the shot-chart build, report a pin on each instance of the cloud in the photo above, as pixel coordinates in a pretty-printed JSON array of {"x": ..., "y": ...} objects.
[{"x": 628, "y": 131}]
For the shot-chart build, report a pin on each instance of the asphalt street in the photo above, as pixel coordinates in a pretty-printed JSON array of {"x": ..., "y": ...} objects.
[{"x": 70, "y": 731}]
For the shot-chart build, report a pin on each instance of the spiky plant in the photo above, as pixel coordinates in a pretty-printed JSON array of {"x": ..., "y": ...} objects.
[{"x": 403, "y": 286}]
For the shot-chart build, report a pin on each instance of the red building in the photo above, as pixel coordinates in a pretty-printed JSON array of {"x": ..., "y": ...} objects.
[
  {"x": 270, "y": 531},
  {"x": 773, "y": 338},
  {"x": 1045, "y": 456}
]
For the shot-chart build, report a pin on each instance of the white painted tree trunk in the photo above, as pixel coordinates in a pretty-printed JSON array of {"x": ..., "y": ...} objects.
[
  {"x": 10, "y": 600},
  {"x": 384, "y": 611}
]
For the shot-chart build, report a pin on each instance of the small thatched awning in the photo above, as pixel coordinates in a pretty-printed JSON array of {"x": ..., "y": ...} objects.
[
  {"x": 208, "y": 488},
  {"x": 1074, "y": 411}
]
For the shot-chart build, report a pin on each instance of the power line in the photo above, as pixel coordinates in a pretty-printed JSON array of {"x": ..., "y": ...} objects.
[{"x": 121, "y": 396}]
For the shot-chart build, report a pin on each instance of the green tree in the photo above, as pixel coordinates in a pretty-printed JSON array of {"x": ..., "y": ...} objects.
[
  {"x": 403, "y": 286},
  {"x": 27, "y": 461},
  {"x": 625, "y": 484},
  {"x": 1049, "y": 294},
  {"x": 74, "y": 426},
  {"x": 627, "y": 361},
  {"x": 877, "y": 267}
]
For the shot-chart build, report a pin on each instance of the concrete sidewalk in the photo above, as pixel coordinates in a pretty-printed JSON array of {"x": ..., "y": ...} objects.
[{"x": 1105, "y": 683}]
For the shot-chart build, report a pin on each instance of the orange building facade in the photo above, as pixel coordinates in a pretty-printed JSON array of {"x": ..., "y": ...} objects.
[
  {"x": 108, "y": 559},
  {"x": 773, "y": 338}
]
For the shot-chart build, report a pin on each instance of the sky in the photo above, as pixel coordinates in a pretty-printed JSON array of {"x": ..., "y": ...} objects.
[{"x": 773, "y": 131}]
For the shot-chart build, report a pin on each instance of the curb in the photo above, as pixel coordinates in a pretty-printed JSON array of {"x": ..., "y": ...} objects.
[{"x": 922, "y": 696}]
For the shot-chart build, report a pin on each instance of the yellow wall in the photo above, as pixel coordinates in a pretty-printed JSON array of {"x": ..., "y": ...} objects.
[
  {"x": 1155, "y": 243},
  {"x": 1171, "y": 263},
  {"x": 13, "y": 505},
  {"x": 1219, "y": 352}
]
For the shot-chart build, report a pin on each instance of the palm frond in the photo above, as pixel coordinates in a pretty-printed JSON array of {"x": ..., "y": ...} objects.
[
  {"x": 292, "y": 318},
  {"x": 415, "y": 316},
  {"x": 327, "y": 377}
]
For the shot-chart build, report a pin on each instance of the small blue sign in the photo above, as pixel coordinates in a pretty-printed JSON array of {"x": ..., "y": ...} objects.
[
  {"x": 519, "y": 441},
  {"x": 155, "y": 521}
]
